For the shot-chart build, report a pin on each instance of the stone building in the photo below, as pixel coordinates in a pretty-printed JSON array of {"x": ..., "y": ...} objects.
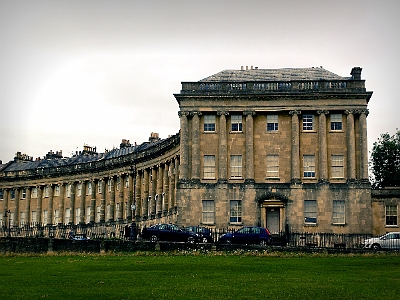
[{"x": 282, "y": 148}]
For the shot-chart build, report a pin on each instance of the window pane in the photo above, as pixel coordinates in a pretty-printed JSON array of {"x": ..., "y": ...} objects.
[
  {"x": 236, "y": 166},
  {"x": 235, "y": 211},
  {"x": 209, "y": 123},
  {"x": 336, "y": 122},
  {"x": 209, "y": 167},
  {"x": 272, "y": 122},
  {"x": 310, "y": 211},
  {"x": 208, "y": 211},
  {"x": 273, "y": 166},
  {"x": 338, "y": 212},
  {"x": 391, "y": 215},
  {"x": 309, "y": 166},
  {"x": 236, "y": 123},
  {"x": 308, "y": 122},
  {"x": 337, "y": 166}
]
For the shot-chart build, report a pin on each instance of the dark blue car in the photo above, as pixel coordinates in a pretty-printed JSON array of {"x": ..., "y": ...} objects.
[
  {"x": 168, "y": 232},
  {"x": 204, "y": 234},
  {"x": 250, "y": 235}
]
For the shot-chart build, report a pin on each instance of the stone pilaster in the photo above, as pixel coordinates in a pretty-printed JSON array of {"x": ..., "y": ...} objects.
[
  {"x": 184, "y": 145},
  {"x": 249, "y": 145},
  {"x": 28, "y": 205},
  {"x": 16, "y": 207},
  {"x": 322, "y": 145},
  {"x": 363, "y": 144},
  {"x": 195, "y": 145},
  {"x": 159, "y": 203},
  {"x": 102, "y": 182},
  {"x": 137, "y": 194},
  {"x": 93, "y": 201},
  {"x": 39, "y": 205},
  {"x": 295, "y": 165},
  {"x": 131, "y": 200},
  {"x": 145, "y": 211},
  {"x": 50, "y": 205},
  {"x": 61, "y": 203},
  {"x": 165, "y": 188},
  {"x": 351, "y": 148},
  {"x": 223, "y": 147},
  {"x": 82, "y": 203},
  {"x": 112, "y": 216}
]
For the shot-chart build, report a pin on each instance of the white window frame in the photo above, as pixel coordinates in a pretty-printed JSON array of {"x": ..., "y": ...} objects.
[
  {"x": 209, "y": 167},
  {"x": 235, "y": 215},
  {"x": 208, "y": 212},
  {"x": 337, "y": 167},
  {"x": 209, "y": 123},
  {"x": 308, "y": 122},
  {"x": 391, "y": 215},
  {"x": 236, "y": 166},
  {"x": 336, "y": 122},
  {"x": 310, "y": 212},
  {"x": 308, "y": 166},
  {"x": 67, "y": 217},
  {"x": 34, "y": 193},
  {"x": 272, "y": 166},
  {"x": 236, "y": 123},
  {"x": 272, "y": 123},
  {"x": 89, "y": 189},
  {"x": 57, "y": 190},
  {"x": 339, "y": 212},
  {"x": 23, "y": 193}
]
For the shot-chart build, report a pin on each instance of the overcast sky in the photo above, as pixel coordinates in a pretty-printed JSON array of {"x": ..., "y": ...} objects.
[{"x": 96, "y": 72}]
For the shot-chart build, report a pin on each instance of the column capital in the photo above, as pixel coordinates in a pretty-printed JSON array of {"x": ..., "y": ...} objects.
[
  {"x": 222, "y": 113},
  {"x": 249, "y": 113},
  {"x": 321, "y": 111},
  {"x": 195, "y": 113},
  {"x": 350, "y": 111},
  {"x": 361, "y": 111},
  {"x": 294, "y": 112},
  {"x": 183, "y": 113}
]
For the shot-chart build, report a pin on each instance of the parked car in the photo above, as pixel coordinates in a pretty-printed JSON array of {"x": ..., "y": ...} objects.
[
  {"x": 389, "y": 241},
  {"x": 80, "y": 237},
  {"x": 204, "y": 234},
  {"x": 168, "y": 232},
  {"x": 250, "y": 235}
]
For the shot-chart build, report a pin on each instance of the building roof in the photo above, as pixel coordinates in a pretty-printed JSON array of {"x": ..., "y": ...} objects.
[{"x": 286, "y": 74}]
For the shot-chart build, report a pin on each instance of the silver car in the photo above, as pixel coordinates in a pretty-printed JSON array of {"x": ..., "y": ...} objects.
[{"x": 389, "y": 241}]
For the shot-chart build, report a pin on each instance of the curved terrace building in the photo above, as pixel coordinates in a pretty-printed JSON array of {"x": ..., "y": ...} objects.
[{"x": 282, "y": 148}]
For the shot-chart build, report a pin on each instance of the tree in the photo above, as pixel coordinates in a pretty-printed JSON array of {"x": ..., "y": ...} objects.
[{"x": 385, "y": 161}]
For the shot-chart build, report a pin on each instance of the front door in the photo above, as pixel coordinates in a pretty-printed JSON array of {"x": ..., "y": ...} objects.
[{"x": 273, "y": 219}]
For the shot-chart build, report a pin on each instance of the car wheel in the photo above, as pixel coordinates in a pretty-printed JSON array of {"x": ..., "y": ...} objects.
[
  {"x": 204, "y": 240},
  {"x": 376, "y": 247},
  {"x": 263, "y": 243},
  {"x": 153, "y": 239},
  {"x": 191, "y": 240}
]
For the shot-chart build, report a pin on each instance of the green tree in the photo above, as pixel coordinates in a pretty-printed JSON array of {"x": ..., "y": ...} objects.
[{"x": 385, "y": 161}]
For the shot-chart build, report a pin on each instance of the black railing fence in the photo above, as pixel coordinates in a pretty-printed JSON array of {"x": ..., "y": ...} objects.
[{"x": 124, "y": 230}]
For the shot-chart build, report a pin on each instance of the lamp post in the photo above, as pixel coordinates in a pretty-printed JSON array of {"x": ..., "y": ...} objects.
[{"x": 7, "y": 214}]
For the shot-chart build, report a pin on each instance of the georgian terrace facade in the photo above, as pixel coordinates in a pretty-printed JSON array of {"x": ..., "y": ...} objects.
[
  {"x": 282, "y": 148},
  {"x": 130, "y": 183},
  {"x": 285, "y": 149}
]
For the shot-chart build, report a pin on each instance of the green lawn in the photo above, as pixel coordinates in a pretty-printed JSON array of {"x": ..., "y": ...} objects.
[{"x": 200, "y": 276}]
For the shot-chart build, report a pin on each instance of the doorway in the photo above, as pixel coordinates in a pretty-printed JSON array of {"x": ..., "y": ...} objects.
[{"x": 273, "y": 219}]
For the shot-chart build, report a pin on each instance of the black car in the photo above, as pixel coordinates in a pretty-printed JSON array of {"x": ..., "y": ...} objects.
[
  {"x": 168, "y": 232},
  {"x": 250, "y": 235},
  {"x": 204, "y": 234}
]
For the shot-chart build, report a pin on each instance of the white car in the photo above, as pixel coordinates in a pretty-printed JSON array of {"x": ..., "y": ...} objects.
[{"x": 389, "y": 240}]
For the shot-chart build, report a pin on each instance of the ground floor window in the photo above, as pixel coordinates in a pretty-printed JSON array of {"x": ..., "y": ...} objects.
[
  {"x": 235, "y": 211},
  {"x": 338, "y": 212},
  {"x": 391, "y": 215},
  {"x": 310, "y": 211},
  {"x": 67, "y": 215},
  {"x": 208, "y": 212}
]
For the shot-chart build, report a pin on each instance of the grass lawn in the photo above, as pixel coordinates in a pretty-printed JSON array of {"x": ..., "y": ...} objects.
[{"x": 200, "y": 276}]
